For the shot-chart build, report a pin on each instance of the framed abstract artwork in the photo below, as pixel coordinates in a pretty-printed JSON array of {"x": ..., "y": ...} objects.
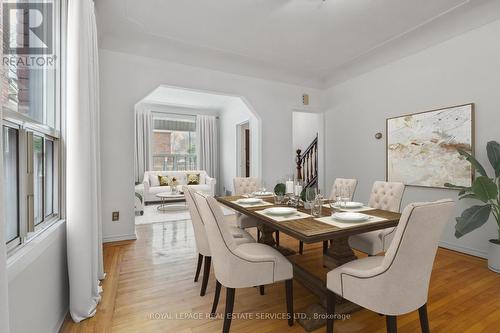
[{"x": 421, "y": 148}]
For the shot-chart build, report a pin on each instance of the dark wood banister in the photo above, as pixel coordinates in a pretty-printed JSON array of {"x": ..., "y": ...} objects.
[{"x": 306, "y": 161}]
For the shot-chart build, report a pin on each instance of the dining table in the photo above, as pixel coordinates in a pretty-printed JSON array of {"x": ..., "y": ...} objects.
[{"x": 309, "y": 229}]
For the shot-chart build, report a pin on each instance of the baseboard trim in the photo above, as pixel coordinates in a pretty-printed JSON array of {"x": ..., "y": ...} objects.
[
  {"x": 62, "y": 320},
  {"x": 464, "y": 249},
  {"x": 119, "y": 238}
]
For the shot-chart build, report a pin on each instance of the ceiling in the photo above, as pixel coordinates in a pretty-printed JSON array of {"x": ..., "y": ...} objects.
[
  {"x": 189, "y": 98},
  {"x": 300, "y": 41}
]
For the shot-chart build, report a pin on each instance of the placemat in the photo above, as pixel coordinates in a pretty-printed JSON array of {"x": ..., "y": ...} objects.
[
  {"x": 260, "y": 204},
  {"x": 297, "y": 216}
]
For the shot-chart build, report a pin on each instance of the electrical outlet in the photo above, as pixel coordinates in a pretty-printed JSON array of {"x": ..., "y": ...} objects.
[{"x": 115, "y": 216}]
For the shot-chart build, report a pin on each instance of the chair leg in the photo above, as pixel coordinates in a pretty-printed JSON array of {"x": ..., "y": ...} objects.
[
  {"x": 198, "y": 267},
  {"x": 228, "y": 311},
  {"x": 330, "y": 311},
  {"x": 261, "y": 290},
  {"x": 325, "y": 246},
  {"x": 289, "y": 301},
  {"x": 258, "y": 235},
  {"x": 424, "y": 319},
  {"x": 391, "y": 322},
  {"x": 301, "y": 247},
  {"x": 277, "y": 238},
  {"x": 206, "y": 274},
  {"x": 216, "y": 299}
]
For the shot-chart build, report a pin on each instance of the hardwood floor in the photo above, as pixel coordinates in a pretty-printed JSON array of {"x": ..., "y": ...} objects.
[{"x": 149, "y": 288}]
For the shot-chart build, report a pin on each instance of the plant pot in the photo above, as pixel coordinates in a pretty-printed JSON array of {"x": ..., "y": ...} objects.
[{"x": 494, "y": 255}]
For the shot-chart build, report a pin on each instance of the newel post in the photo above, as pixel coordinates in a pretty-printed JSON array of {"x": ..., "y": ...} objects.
[{"x": 299, "y": 164}]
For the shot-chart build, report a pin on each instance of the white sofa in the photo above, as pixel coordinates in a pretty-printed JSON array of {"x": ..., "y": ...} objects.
[{"x": 152, "y": 184}]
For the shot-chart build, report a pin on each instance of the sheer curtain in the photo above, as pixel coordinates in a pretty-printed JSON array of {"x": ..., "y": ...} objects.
[
  {"x": 4, "y": 301},
  {"x": 84, "y": 236},
  {"x": 207, "y": 144},
  {"x": 143, "y": 150}
]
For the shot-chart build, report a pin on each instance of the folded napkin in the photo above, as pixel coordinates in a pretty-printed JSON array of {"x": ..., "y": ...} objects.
[
  {"x": 297, "y": 216},
  {"x": 344, "y": 224},
  {"x": 258, "y": 204}
]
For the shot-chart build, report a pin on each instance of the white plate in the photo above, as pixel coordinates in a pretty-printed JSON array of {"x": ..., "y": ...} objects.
[
  {"x": 262, "y": 194},
  {"x": 280, "y": 211},
  {"x": 351, "y": 205},
  {"x": 249, "y": 201},
  {"x": 351, "y": 217}
]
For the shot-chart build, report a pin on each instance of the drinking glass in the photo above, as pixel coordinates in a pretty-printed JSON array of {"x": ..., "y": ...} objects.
[{"x": 310, "y": 196}]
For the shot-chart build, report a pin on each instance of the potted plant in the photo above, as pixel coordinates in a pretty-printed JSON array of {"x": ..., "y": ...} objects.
[{"x": 487, "y": 191}]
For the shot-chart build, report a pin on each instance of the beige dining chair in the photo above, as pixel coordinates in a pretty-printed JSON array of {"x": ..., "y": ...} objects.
[
  {"x": 351, "y": 185},
  {"x": 241, "y": 265},
  {"x": 385, "y": 196},
  {"x": 200, "y": 235},
  {"x": 244, "y": 186},
  {"x": 398, "y": 282}
]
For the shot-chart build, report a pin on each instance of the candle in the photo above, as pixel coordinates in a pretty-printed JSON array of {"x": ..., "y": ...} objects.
[
  {"x": 289, "y": 186},
  {"x": 298, "y": 189}
]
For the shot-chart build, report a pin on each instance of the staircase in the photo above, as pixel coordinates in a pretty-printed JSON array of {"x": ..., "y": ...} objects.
[{"x": 307, "y": 164}]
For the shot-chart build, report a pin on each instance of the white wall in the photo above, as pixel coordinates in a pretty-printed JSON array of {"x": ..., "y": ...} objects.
[
  {"x": 126, "y": 79},
  {"x": 236, "y": 113},
  {"x": 38, "y": 283},
  {"x": 305, "y": 127},
  {"x": 461, "y": 70}
]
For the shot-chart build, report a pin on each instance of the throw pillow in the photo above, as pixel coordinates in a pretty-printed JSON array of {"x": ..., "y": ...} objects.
[
  {"x": 164, "y": 180},
  {"x": 193, "y": 178}
]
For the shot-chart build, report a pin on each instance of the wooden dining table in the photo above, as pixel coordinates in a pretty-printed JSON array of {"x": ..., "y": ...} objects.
[{"x": 309, "y": 230}]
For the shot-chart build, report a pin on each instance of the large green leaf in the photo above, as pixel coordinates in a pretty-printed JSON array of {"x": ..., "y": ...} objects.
[
  {"x": 471, "y": 219},
  {"x": 475, "y": 163},
  {"x": 493, "y": 150},
  {"x": 485, "y": 189}
]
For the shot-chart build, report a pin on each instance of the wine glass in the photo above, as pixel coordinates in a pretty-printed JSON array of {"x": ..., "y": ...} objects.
[{"x": 346, "y": 195}]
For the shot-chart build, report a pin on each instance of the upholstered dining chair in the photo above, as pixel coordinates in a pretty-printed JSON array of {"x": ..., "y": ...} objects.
[
  {"x": 240, "y": 236},
  {"x": 386, "y": 196},
  {"x": 241, "y": 265},
  {"x": 398, "y": 282},
  {"x": 351, "y": 185},
  {"x": 244, "y": 186}
]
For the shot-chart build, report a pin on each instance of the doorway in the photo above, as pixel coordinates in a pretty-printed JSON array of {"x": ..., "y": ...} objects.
[{"x": 243, "y": 149}]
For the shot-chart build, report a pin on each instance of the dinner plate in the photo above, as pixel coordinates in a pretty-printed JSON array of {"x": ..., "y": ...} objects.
[
  {"x": 280, "y": 211},
  {"x": 351, "y": 217},
  {"x": 249, "y": 201},
  {"x": 263, "y": 194},
  {"x": 350, "y": 204}
]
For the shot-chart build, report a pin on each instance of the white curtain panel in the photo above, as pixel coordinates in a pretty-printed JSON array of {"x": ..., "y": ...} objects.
[
  {"x": 207, "y": 144},
  {"x": 4, "y": 301},
  {"x": 143, "y": 150},
  {"x": 83, "y": 201}
]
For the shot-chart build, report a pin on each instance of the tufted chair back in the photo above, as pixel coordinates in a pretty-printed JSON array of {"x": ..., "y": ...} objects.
[
  {"x": 350, "y": 183},
  {"x": 245, "y": 185},
  {"x": 200, "y": 234},
  {"x": 387, "y": 196}
]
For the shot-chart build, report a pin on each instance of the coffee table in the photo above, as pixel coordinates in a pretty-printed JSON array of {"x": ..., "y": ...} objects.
[{"x": 167, "y": 197}]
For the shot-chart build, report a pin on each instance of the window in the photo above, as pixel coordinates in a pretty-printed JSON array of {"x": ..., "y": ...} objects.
[
  {"x": 174, "y": 142},
  {"x": 31, "y": 105},
  {"x": 11, "y": 183}
]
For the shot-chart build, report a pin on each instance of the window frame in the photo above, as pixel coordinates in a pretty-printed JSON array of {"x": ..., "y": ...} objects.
[{"x": 25, "y": 125}]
